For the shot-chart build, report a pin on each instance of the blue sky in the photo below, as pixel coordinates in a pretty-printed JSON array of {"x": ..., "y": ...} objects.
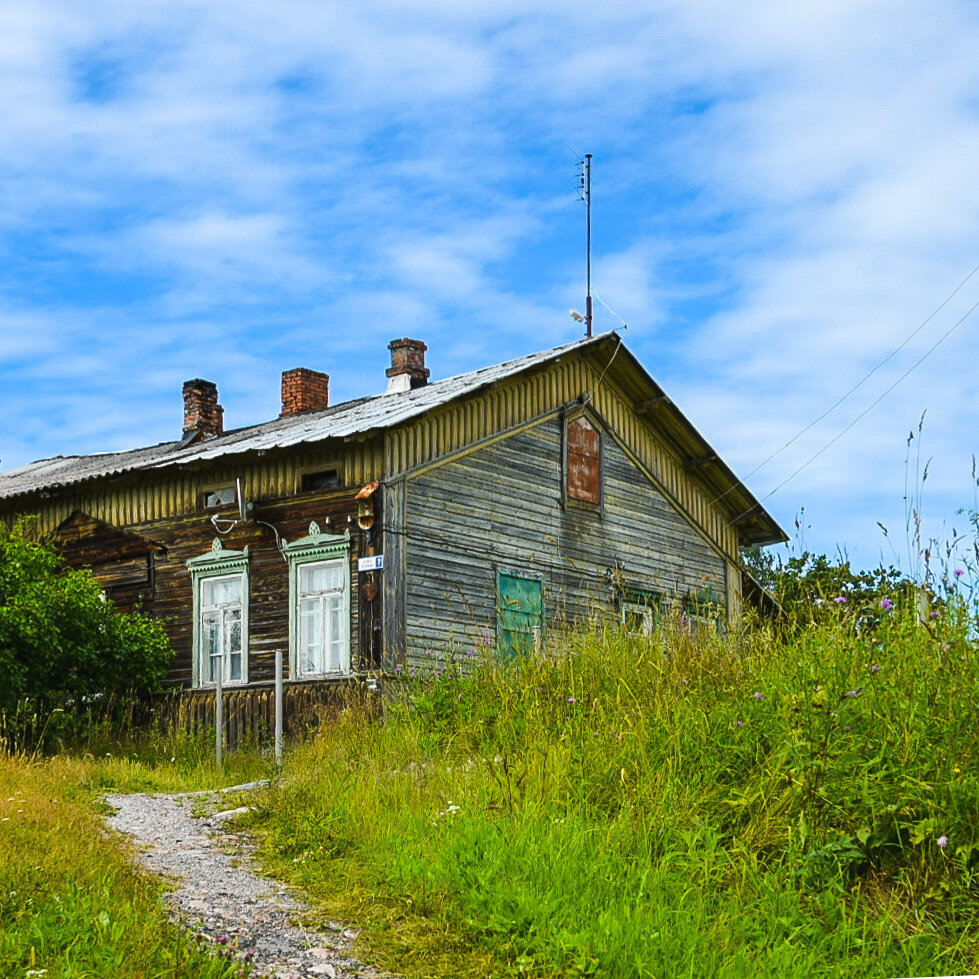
[{"x": 781, "y": 196}]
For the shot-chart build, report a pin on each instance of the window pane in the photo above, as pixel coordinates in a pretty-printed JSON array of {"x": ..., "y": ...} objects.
[
  {"x": 232, "y": 623},
  {"x": 210, "y": 645},
  {"x": 221, "y": 591},
  {"x": 320, "y": 577},
  {"x": 310, "y": 635}
]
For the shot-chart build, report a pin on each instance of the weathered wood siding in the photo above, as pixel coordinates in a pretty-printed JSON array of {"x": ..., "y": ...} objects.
[
  {"x": 191, "y": 535},
  {"x": 501, "y": 506},
  {"x": 457, "y": 426}
]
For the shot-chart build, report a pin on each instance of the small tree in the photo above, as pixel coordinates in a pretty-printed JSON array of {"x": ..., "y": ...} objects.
[{"x": 61, "y": 640}]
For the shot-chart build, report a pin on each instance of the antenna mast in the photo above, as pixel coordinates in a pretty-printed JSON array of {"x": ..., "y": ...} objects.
[{"x": 586, "y": 197}]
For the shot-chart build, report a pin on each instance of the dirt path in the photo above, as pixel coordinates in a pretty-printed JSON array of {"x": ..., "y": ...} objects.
[{"x": 218, "y": 894}]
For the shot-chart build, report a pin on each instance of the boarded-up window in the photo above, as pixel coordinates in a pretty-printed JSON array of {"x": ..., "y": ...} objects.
[{"x": 584, "y": 476}]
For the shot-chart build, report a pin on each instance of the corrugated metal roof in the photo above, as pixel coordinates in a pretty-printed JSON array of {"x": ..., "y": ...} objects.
[{"x": 340, "y": 421}]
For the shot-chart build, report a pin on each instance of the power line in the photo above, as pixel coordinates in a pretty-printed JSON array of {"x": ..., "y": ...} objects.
[
  {"x": 863, "y": 380},
  {"x": 878, "y": 399}
]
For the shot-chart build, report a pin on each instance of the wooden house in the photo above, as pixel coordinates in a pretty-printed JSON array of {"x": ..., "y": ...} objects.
[{"x": 396, "y": 530}]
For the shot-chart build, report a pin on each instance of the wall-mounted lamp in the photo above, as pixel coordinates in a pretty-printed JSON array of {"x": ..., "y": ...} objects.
[{"x": 365, "y": 505}]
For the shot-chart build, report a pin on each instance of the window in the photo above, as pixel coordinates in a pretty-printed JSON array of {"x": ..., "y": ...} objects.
[
  {"x": 583, "y": 459},
  {"x": 220, "y": 497},
  {"x": 328, "y": 479},
  {"x": 319, "y": 604},
  {"x": 220, "y": 583},
  {"x": 639, "y": 611},
  {"x": 703, "y": 611}
]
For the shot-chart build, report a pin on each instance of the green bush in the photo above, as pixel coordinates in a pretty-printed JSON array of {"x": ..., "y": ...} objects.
[{"x": 61, "y": 641}]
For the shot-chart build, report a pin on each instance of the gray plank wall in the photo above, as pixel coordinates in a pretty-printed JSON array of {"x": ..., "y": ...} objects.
[{"x": 500, "y": 506}]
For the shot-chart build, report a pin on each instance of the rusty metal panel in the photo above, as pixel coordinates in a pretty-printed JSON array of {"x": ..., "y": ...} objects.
[{"x": 584, "y": 461}]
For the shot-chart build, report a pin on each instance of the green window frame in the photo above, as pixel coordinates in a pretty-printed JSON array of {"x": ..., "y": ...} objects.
[
  {"x": 220, "y": 582},
  {"x": 319, "y": 604}
]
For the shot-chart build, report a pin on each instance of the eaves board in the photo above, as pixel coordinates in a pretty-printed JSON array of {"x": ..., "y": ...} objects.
[{"x": 755, "y": 525}]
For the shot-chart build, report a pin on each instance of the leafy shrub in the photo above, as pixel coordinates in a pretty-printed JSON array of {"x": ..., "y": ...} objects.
[{"x": 61, "y": 640}]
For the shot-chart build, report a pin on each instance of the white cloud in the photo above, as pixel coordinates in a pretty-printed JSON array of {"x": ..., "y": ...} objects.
[{"x": 782, "y": 194}]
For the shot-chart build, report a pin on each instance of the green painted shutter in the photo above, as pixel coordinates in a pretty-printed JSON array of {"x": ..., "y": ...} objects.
[{"x": 519, "y": 613}]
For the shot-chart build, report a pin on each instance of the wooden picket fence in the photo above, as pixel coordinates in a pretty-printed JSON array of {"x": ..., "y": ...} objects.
[{"x": 249, "y": 712}]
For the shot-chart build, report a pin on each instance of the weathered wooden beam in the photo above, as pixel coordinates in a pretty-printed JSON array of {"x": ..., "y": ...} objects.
[{"x": 699, "y": 462}]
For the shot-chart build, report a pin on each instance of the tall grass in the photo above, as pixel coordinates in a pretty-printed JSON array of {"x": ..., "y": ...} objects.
[
  {"x": 71, "y": 905},
  {"x": 677, "y": 805}
]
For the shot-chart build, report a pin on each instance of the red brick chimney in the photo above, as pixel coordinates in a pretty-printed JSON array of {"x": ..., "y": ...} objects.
[
  {"x": 407, "y": 368},
  {"x": 304, "y": 390},
  {"x": 202, "y": 413}
]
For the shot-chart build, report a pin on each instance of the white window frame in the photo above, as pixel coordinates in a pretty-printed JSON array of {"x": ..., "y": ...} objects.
[
  {"x": 216, "y": 564},
  {"x": 639, "y": 613},
  {"x": 318, "y": 549},
  {"x": 642, "y": 605}
]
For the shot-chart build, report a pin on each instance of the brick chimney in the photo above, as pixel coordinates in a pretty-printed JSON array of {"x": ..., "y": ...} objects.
[
  {"x": 202, "y": 413},
  {"x": 407, "y": 370},
  {"x": 304, "y": 390}
]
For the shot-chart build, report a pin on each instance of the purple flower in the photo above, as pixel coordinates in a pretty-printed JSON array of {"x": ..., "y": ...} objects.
[
  {"x": 942, "y": 841},
  {"x": 853, "y": 693},
  {"x": 886, "y": 604},
  {"x": 847, "y": 728},
  {"x": 594, "y": 734},
  {"x": 875, "y": 668},
  {"x": 739, "y": 723},
  {"x": 958, "y": 572},
  {"x": 934, "y": 615},
  {"x": 571, "y": 700},
  {"x": 222, "y": 939},
  {"x": 840, "y": 599},
  {"x": 757, "y": 696}
]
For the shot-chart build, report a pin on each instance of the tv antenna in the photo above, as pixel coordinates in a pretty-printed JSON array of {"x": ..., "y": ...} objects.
[{"x": 584, "y": 194}]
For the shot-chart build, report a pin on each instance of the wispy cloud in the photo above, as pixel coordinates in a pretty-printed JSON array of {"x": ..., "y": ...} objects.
[{"x": 781, "y": 195}]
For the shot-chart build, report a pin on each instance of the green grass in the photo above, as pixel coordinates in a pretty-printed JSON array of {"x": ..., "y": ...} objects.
[
  {"x": 622, "y": 807},
  {"x": 71, "y": 906},
  {"x": 662, "y": 807}
]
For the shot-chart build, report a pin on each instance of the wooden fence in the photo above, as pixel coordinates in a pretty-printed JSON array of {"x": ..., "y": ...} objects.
[{"x": 249, "y": 712}]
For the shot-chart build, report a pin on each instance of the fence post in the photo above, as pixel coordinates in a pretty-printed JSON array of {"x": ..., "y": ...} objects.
[
  {"x": 278, "y": 707},
  {"x": 219, "y": 718}
]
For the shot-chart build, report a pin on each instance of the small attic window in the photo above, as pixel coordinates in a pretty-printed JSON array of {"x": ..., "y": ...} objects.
[
  {"x": 583, "y": 448},
  {"x": 219, "y": 497},
  {"x": 327, "y": 479}
]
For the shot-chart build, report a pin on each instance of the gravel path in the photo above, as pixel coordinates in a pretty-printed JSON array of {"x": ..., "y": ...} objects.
[{"x": 217, "y": 892}]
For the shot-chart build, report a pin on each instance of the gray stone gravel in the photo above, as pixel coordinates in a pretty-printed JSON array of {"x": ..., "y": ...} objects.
[{"x": 217, "y": 892}]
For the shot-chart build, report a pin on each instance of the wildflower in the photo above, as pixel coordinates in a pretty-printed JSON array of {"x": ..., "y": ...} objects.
[
  {"x": 594, "y": 734},
  {"x": 853, "y": 693},
  {"x": 956, "y": 770},
  {"x": 958, "y": 572},
  {"x": 739, "y": 723},
  {"x": 757, "y": 696},
  {"x": 934, "y": 615},
  {"x": 222, "y": 939},
  {"x": 840, "y": 599},
  {"x": 942, "y": 841},
  {"x": 572, "y": 700},
  {"x": 875, "y": 668},
  {"x": 886, "y": 604},
  {"x": 847, "y": 728}
]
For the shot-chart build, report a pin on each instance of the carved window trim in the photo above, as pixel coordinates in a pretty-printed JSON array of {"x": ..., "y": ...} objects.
[
  {"x": 325, "y": 549},
  {"x": 218, "y": 563}
]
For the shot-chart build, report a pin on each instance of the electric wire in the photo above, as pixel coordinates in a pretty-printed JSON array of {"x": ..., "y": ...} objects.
[
  {"x": 873, "y": 404},
  {"x": 863, "y": 380}
]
